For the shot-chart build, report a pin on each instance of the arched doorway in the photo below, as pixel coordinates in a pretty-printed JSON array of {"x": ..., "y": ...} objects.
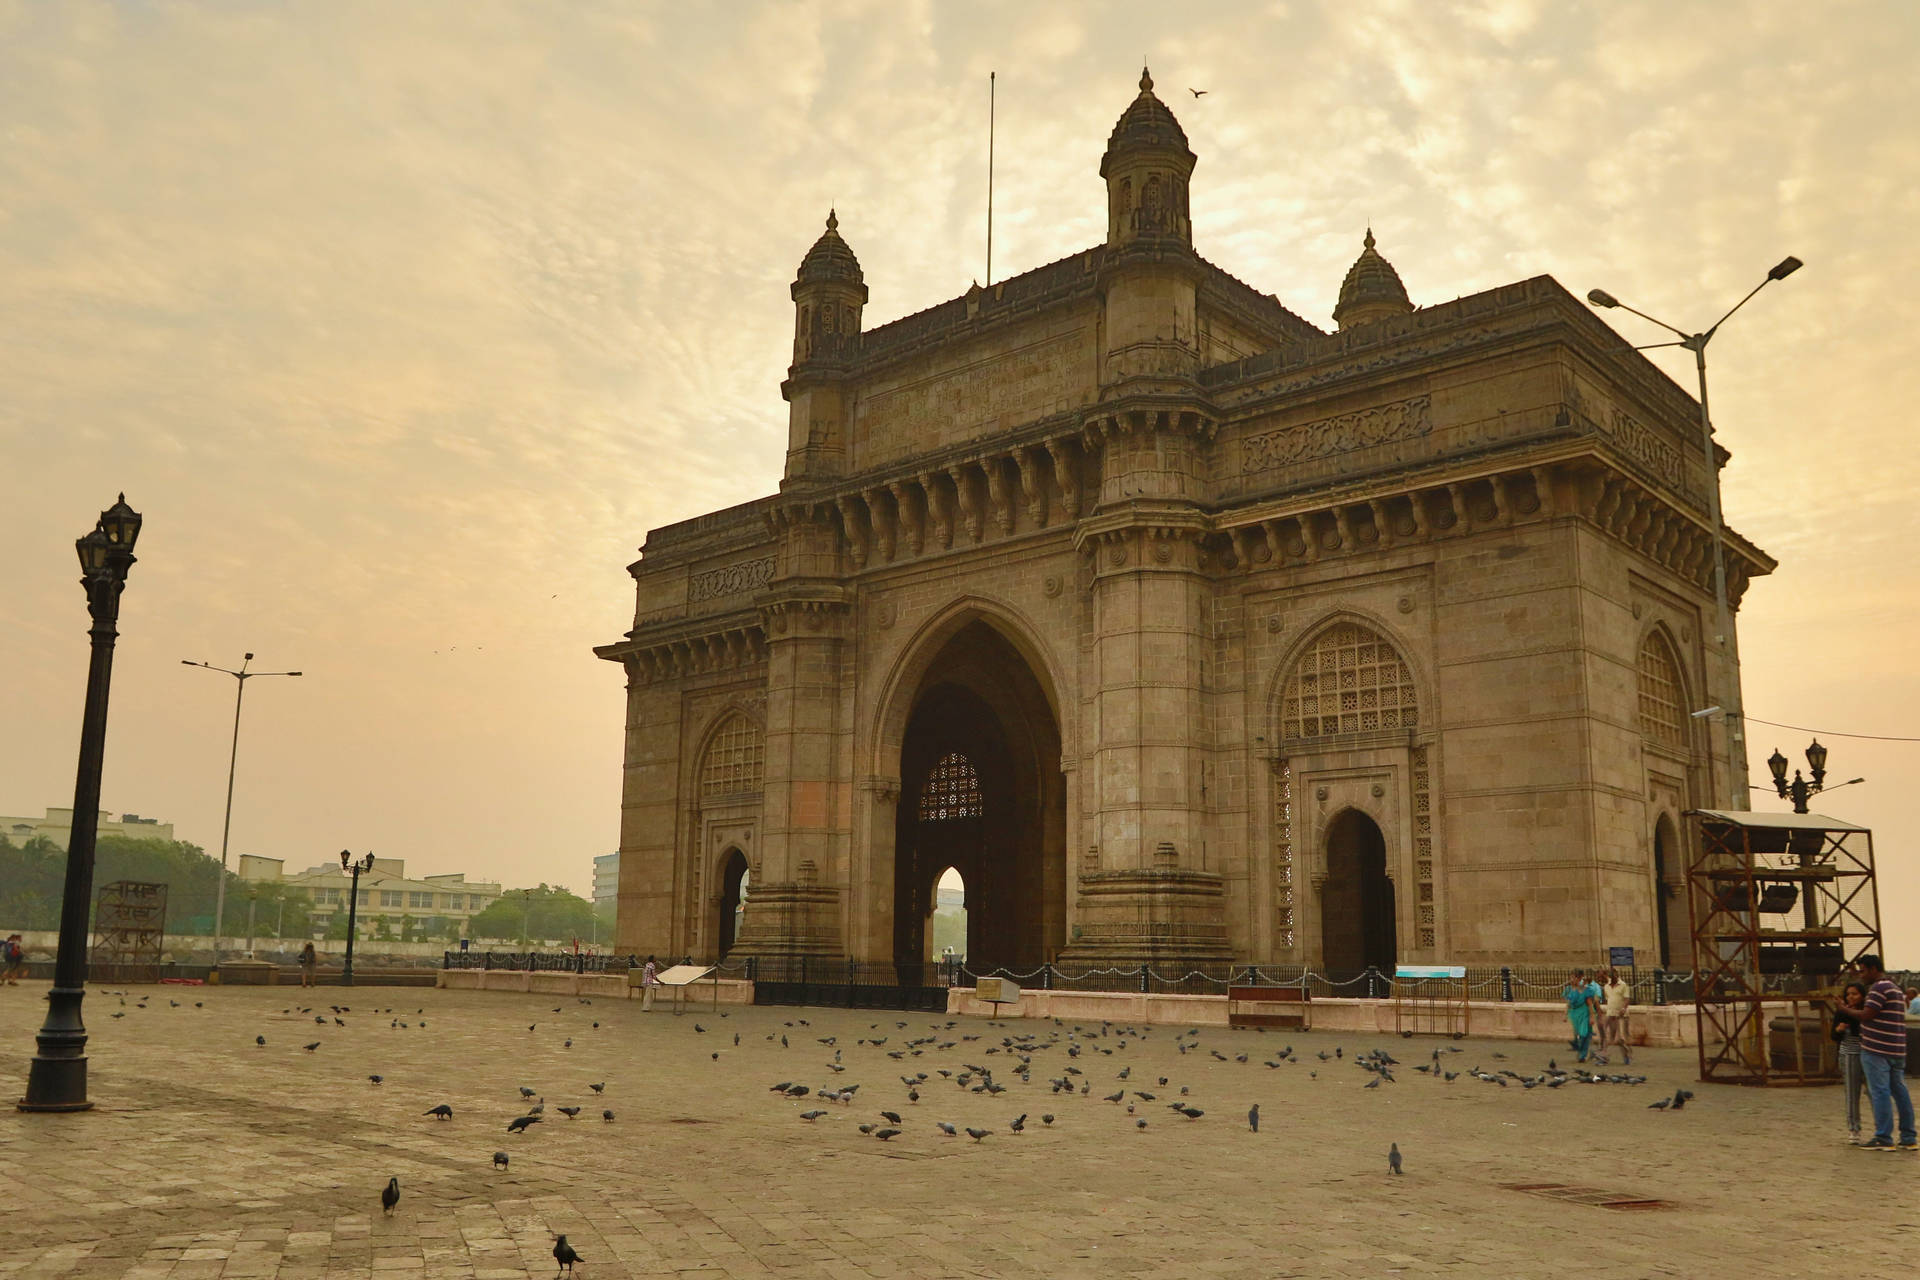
[
  {"x": 733, "y": 899},
  {"x": 1357, "y": 920},
  {"x": 981, "y": 794},
  {"x": 1670, "y": 905},
  {"x": 947, "y": 931}
]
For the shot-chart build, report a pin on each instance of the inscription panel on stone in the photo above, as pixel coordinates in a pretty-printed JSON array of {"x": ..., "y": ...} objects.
[
  {"x": 1383, "y": 424},
  {"x": 730, "y": 580}
]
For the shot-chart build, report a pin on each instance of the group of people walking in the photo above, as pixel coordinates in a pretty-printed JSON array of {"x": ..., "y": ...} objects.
[{"x": 1598, "y": 1009}]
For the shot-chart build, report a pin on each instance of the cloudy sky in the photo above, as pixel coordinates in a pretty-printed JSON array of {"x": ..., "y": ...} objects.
[{"x": 403, "y": 322}]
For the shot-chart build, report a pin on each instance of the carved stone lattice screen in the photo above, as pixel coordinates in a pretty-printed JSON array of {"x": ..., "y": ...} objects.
[
  {"x": 129, "y": 926},
  {"x": 736, "y": 761},
  {"x": 952, "y": 791},
  {"x": 1662, "y": 717},
  {"x": 1351, "y": 681}
]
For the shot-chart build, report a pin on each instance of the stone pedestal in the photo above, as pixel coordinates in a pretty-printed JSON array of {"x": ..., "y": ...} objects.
[{"x": 1159, "y": 917}]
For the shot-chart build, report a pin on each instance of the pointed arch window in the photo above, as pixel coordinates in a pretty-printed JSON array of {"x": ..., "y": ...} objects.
[
  {"x": 952, "y": 790},
  {"x": 736, "y": 761},
  {"x": 1352, "y": 680},
  {"x": 1663, "y": 717}
]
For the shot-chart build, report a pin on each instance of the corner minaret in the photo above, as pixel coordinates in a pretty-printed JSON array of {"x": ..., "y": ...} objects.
[
  {"x": 1150, "y": 272},
  {"x": 1147, "y": 165},
  {"x": 829, "y": 293},
  {"x": 1371, "y": 291}
]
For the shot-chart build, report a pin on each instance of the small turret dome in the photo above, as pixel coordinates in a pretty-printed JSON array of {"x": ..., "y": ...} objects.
[
  {"x": 1146, "y": 123},
  {"x": 830, "y": 258},
  {"x": 1372, "y": 289}
]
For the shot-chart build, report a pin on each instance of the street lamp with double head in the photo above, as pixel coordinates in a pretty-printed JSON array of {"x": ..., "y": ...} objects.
[
  {"x": 355, "y": 867},
  {"x": 1730, "y": 647},
  {"x": 240, "y": 679}
]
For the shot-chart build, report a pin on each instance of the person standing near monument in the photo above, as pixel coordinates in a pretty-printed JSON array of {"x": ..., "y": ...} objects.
[
  {"x": 649, "y": 979},
  {"x": 1883, "y": 1057},
  {"x": 1578, "y": 993},
  {"x": 1615, "y": 999},
  {"x": 309, "y": 960},
  {"x": 1846, "y": 1036}
]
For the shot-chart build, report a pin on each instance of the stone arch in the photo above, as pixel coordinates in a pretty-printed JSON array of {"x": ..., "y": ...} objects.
[
  {"x": 1359, "y": 906},
  {"x": 1311, "y": 638},
  {"x": 973, "y": 680},
  {"x": 1660, "y": 686},
  {"x": 920, "y": 650},
  {"x": 733, "y": 873},
  {"x": 1672, "y": 903}
]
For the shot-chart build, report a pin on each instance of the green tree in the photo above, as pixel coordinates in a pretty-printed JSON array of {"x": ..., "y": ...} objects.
[{"x": 544, "y": 914}]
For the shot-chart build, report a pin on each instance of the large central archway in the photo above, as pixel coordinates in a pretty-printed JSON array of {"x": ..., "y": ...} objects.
[
  {"x": 981, "y": 792},
  {"x": 1357, "y": 920}
]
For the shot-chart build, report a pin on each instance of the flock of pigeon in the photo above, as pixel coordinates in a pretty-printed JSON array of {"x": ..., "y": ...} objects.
[
  {"x": 1084, "y": 1044},
  {"x": 564, "y": 1253},
  {"x": 1077, "y": 1052}
]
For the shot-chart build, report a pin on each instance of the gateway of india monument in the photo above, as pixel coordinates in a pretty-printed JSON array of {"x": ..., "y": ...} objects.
[{"x": 1185, "y": 630}]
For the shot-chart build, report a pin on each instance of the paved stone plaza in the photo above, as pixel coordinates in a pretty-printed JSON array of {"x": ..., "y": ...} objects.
[{"x": 210, "y": 1156}]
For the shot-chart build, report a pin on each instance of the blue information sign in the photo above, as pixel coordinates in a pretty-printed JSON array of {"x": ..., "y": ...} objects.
[{"x": 1620, "y": 957}]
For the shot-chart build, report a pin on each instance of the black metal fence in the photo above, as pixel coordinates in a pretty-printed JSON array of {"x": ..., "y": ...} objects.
[
  {"x": 537, "y": 961},
  {"x": 1506, "y": 983}
]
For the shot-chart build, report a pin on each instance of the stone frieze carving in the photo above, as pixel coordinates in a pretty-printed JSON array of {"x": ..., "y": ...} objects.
[
  {"x": 1405, "y": 420},
  {"x": 1646, "y": 447},
  {"x": 730, "y": 580}
]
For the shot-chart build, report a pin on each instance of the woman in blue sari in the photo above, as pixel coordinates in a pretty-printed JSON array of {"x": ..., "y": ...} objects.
[{"x": 1579, "y": 997}]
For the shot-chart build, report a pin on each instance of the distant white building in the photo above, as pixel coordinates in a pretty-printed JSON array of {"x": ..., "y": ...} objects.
[
  {"x": 606, "y": 879},
  {"x": 57, "y": 826}
]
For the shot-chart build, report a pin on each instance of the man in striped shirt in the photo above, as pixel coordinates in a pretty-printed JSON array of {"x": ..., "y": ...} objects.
[{"x": 1883, "y": 1057}]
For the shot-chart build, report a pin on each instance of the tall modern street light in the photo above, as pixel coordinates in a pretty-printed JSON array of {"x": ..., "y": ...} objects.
[
  {"x": 1723, "y": 620},
  {"x": 57, "y": 1077},
  {"x": 240, "y": 679}
]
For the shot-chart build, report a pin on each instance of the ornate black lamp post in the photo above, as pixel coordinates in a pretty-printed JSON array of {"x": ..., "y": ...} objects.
[
  {"x": 353, "y": 867},
  {"x": 57, "y": 1077},
  {"x": 1801, "y": 789}
]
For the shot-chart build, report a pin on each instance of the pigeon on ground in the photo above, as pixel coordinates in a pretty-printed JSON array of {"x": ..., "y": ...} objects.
[
  {"x": 1115, "y": 1097},
  {"x": 815, "y": 1114},
  {"x": 977, "y": 1134},
  {"x": 310, "y": 1048},
  {"x": 563, "y": 1254},
  {"x": 390, "y": 1195},
  {"x": 1680, "y": 1097},
  {"x": 1019, "y": 1122},
  {"x": 499, "y": 1159},
  {"x": 260, "y": 1040},
  {"x": 537, "y": 1108},
  {"x": 374, "y": 1079},
  {"x": 599, "y": 1088},
  {"x": 1139, "y": 1124},
  {"x": 521, "y": 1124},
  {"x": 1047, "y": 1119},
  {"x": 946, "y": 1128},
  {"x": 699, "y": 1028},
  {"x": 568, "y": 1112},
  {"x": 1191, "y": 1113},
  {"x": 443, "y": 1111},
  {"x": 1253, "y": 1117},
  {"x": 607, "y": 1116},
  {"x": 884, "y": 1134},
  {"x": 1393, "y": 1157}
]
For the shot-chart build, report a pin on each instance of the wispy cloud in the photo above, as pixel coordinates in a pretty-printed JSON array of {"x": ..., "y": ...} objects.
[{"x": 404, "y": 323}]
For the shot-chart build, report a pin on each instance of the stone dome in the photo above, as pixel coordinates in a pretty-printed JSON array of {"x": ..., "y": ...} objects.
[
  {"x": 830, "y": 258},
  {"x": 1371, "y": 290},
  {"x": 1145, "y": 123}
]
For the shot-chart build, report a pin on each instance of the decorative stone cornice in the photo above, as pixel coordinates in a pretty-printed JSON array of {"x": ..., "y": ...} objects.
[
  {"x": 1436, "y": 503},
  {"x": 673, "y": 651},
  {"x": 1143, "y": 415},
  {"x": 803, "y": 609}
]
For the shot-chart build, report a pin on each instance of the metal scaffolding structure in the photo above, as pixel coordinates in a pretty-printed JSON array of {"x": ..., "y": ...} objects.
[
  {"x": 1782, "y": 904},
  {"x": 129, "y": 929}
]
